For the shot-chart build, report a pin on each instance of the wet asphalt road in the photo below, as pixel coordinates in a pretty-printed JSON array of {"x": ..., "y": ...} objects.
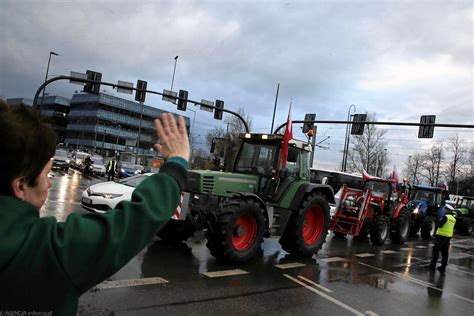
[{"x": 346, "y": 277}]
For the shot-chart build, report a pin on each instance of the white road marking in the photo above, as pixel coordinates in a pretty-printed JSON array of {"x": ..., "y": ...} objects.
[
  {"x": 325, "y": 289},
  {"x": 341, "y": 304},
  {"x": 364, "y": 255},
  {"x": 333, "y": 259},
  {"x": 421, "y": 247},
  {"x": 414, "y": 280},
  {"x": 388, "y": 252},
  {"x": 218, "y": 274},
  {"x": 370, "y": 313},
  {"x": 131, "y": 282},
  {"x": 290, "y": 265},
  {"x": 406, "y": 249}
]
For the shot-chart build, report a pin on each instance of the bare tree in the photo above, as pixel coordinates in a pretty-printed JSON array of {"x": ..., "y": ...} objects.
[
  {"x": 368, "y": 150},
  {"x": 235, "y": 126},
  {"x": 413, "y": 168},
  {"x": 459, "y": 152},
  {"x": 430, "y": 168}
]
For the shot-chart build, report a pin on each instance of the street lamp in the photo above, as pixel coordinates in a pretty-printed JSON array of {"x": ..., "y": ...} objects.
[
  {"x": 172, "y": 80},
  {"x": 46, "y": 78},
  {"x": 346, "y": 140}
]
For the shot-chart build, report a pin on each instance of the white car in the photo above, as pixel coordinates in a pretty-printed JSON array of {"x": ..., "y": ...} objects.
[
  {"x": 98, "y": 166},
  {"x": 105, "y": 196}
]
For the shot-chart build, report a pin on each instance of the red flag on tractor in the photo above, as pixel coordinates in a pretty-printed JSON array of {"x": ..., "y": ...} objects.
[{"x": 286, "y": 139}]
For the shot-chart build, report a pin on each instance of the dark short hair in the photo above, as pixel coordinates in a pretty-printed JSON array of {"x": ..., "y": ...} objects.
[{"x": 26, "y": 145}]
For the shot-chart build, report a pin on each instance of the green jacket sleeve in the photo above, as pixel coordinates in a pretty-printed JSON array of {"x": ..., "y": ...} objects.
[{"x": 91, "y": 247}]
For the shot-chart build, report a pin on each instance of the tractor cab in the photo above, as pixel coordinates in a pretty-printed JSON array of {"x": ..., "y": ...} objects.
[
  {"x": 260, "y": 154},
  {"x": 383, "y": 191}
]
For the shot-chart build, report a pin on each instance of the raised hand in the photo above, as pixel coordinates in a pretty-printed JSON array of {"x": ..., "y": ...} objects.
[{"x": 173, "y": 138}]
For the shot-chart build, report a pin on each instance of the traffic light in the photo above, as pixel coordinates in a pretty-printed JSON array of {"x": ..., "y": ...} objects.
[
  {"x": 358, "y": 129},
  {"x": 183, "y": 94},
  {"x": 140, "y": 92},
  {"x": 308, "y": 126},
  {"x": 426, "y": 131},
  {"x": 90, "y": 87},
  {"x": 217, "y": 112}
]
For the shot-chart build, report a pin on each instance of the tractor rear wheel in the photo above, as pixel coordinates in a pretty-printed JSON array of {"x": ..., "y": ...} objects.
[
  {"x": 380, "y": 229},
  {"x": 307, "y": 228},
  {"x": 237, "y": 234},
  {"x": 428, "y": 228},
  {"x": 401, "y": 227}
]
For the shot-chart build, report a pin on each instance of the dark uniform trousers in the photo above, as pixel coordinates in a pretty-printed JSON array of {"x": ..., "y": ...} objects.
[{"x": 441, "y": 245}]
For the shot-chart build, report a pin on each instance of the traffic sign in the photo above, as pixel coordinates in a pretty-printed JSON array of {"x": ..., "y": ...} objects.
[
  {"x": 209, "y": 108},
  {"x": 426, "y": 131},
  {"x": 358, "y": 129},
  {"x": 125, "y": 87},
  {"x": 169, "y": 96}
]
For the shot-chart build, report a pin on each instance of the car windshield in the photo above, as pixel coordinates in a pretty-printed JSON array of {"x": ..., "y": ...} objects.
[
  {"x": 81, "y": 155},
  {"x": 61, "y": 153},
  {"x": 98, "y": 160},
  {"x": 133, "y": 181}
]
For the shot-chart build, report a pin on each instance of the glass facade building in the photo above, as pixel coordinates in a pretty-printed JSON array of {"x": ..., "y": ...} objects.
[{"x": 106, "y": 124}]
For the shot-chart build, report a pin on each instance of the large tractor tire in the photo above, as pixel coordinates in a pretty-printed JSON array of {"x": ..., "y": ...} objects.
[
  {"x": 380, "y": 229},
  {"x": 401, "y": 227},
  {"x": 307, "y": 228},
  {"x": 237, "y": 234},
  {"x": 464, "y": 227},
  {"x": 364, "y": 232},
  {"x": 428, "y": 228},
  {"x": 177, "y": 230}
]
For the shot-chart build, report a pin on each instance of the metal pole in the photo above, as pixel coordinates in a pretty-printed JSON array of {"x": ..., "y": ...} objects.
[
  {"x": 172, "y": 80},
  {"x": 140, "y": 131},
  {"x": 46, "y": 78},
  {"x": 313, "y": 144},
  {"x": 275, "y": 107},
  {"x": 103, "y": 142},
  {"x": 348, "y": 133}
]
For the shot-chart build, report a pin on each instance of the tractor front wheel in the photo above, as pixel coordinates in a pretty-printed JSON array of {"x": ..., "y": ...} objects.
[
  {"x": 428, "y": 228},
  {"x": 401, "y": 227},
  {"x": 237, "y": 234},
  {"x": 380, "y": 229},
  {"x": 307, "y": 228}
]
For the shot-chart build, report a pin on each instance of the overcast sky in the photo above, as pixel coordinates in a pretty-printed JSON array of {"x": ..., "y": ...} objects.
[{"x": 398, "y": 59}]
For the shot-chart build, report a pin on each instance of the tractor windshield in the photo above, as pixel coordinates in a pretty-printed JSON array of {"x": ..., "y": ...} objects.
[
  {"x": 428, "y": 196},
  {"x": 256, "y": 158},
  {"x": 378, "y": 188}
]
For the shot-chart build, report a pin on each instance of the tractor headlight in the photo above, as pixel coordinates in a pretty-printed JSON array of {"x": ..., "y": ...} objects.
[{"x": 416, "y": 210}]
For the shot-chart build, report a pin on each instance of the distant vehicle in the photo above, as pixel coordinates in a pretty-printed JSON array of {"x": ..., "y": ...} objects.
[
  {"x": 77, "y": 159},
  {"x": 424, "y": 204},
  {"x": 98, "y": 166},
  {"x": 126, "y": 170},
  {"x": 105, "y": 196},
  {"x": 61, "y": 160}
]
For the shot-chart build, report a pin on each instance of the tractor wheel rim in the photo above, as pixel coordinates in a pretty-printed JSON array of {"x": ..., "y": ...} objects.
[
  {"x": 405, "y": 227},
  {"x": 383, "y": 230},
  {"x": 244, "y": 232},
  {"x": 313, "y": 225}
]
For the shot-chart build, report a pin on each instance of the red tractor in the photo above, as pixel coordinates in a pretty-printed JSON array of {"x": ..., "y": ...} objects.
[{"x": 378, "y": 210}]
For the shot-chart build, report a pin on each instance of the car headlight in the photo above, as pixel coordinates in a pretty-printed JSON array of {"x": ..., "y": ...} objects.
[
  {"x": 121, "y": 170},
  {"x": 111, "y": 196},
  {"x": 68, "y": 160},
  {"x": 88, "y": 191},
  {"x": 137, "y": 171}
]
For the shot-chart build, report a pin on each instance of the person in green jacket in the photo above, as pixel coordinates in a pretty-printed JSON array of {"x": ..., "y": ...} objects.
[
  {"x": 45, "y": 265},
  {"x": 444, "y": 233}
]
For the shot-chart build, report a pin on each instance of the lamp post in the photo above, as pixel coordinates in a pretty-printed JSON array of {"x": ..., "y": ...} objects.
[
  {"x": 174, "y": 71},
  {"x": 46, "y": 78},
  {"x": 346, "y": 140}
]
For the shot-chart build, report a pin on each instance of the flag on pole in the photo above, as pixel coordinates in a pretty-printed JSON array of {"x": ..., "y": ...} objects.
[{"x": 286, "y": 139}]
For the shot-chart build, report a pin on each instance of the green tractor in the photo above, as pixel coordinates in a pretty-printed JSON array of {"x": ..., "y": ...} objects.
[
  {"x": 464, "y": 215},
  {"x": 254, "y": 197}
]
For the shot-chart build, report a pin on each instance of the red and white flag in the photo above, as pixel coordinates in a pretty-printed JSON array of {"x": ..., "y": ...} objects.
[{"x": 286, "y": 139}]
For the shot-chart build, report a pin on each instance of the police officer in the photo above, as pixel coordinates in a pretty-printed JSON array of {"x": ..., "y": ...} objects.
[
  {"x": 111, "y": 169},
  {"x": 444, "y": 233}
]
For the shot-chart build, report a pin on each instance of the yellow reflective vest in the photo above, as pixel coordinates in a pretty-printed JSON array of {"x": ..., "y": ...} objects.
[{"x": 447, "y": 229}]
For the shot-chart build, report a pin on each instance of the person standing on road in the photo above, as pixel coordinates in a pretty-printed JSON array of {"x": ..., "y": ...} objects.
[
  {"x": 45, "y": 265},
  {"x": 111, "y": 169},
  {"x": 444, "y": 233}
]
